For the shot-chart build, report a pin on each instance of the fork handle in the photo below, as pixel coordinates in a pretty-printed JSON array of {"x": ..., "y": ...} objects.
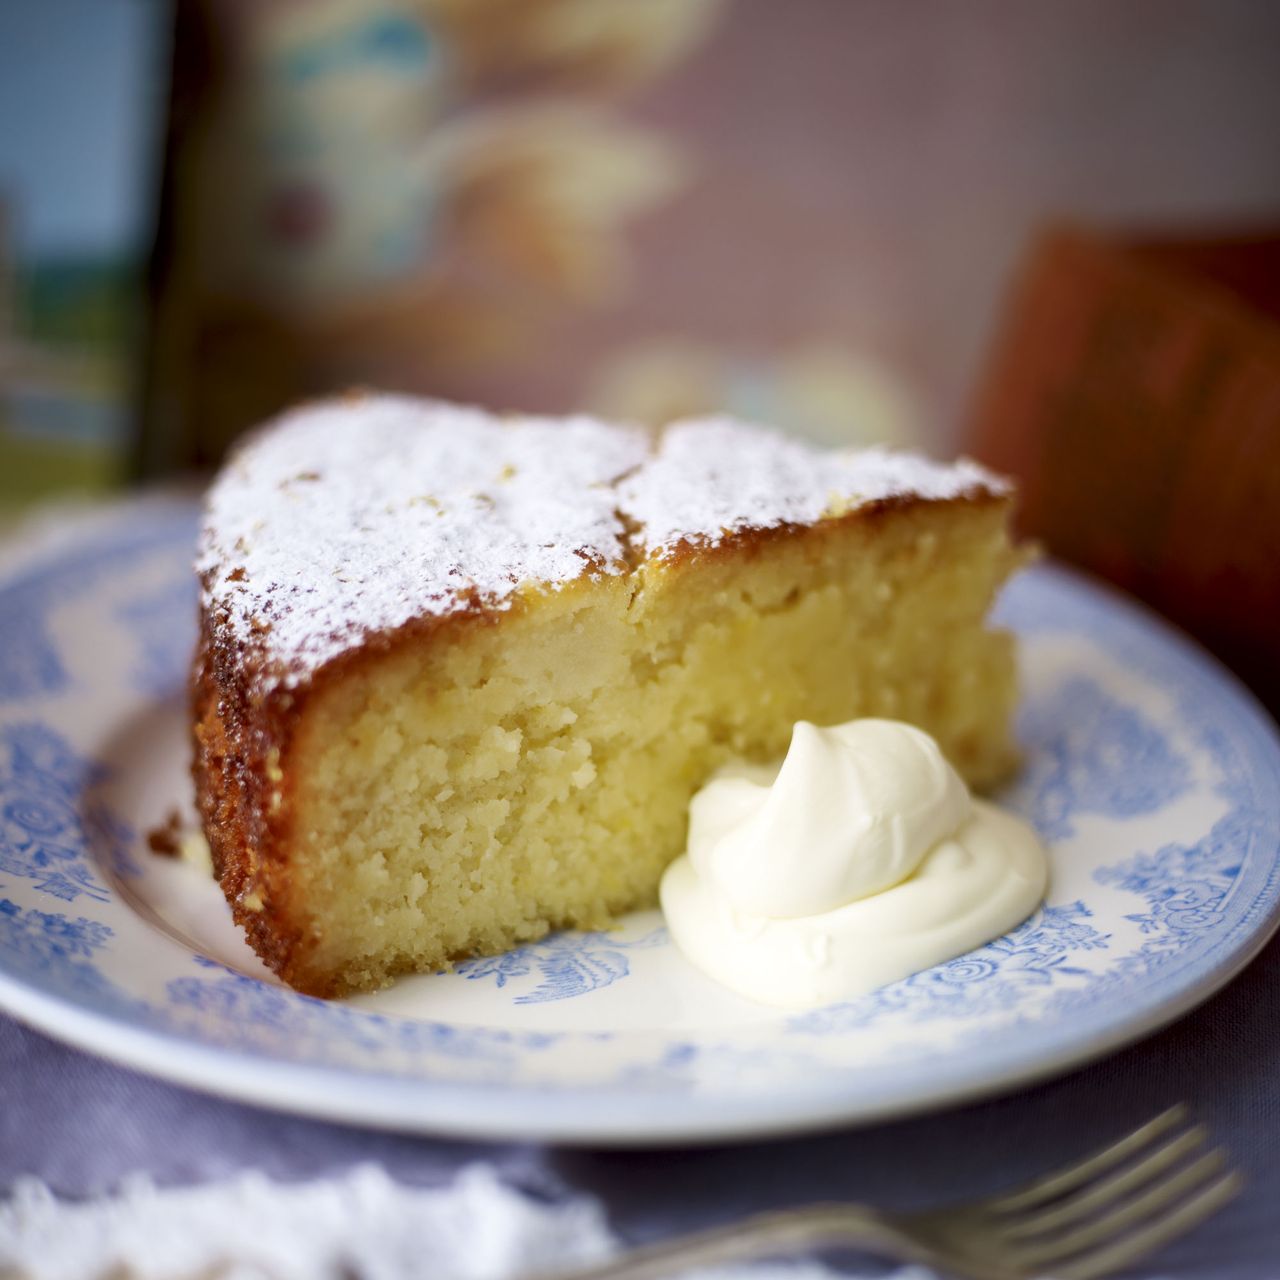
[{"x": 765, "y": 1235}]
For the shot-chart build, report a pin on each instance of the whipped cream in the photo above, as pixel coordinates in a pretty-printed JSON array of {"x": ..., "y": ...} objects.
[{"x": 857, "y": 861}]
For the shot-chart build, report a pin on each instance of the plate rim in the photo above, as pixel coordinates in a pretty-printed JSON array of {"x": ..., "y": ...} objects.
[
  {"x": 597, "y": 1118},
  {"x": 600, "y": 1116}
]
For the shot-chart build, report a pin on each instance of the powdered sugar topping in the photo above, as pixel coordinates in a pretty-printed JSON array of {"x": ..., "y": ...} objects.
[
  {"x": 350, "y": 518},
  {"x": 715, "y": 476},
  {"x": 346, "y": 519}
]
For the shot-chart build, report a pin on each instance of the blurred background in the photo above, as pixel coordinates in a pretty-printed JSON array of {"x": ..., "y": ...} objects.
[{"x": 812, "y": 213}]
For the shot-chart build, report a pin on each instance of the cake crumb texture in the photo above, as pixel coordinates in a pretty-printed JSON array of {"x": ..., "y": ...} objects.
[{"x": 518, "y": 754}]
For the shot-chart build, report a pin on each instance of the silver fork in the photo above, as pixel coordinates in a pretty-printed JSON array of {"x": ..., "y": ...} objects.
[{"x": 1078, "y": 1223}]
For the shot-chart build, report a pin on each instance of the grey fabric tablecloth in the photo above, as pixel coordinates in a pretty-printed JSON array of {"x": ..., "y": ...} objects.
[{"x": 82, "y": 1125}]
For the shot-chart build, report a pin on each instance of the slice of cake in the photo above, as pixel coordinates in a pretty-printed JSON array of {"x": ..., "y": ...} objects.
[{"x": 459, "y": 676}]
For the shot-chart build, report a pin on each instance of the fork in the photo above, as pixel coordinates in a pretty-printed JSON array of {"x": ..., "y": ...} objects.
[{"x": 1078, "y": 1223}]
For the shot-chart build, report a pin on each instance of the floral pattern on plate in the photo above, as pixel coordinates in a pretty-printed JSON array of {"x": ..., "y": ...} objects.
[{"x": 1152, "y": 776}]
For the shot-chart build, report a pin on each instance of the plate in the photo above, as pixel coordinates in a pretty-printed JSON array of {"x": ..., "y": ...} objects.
[{"x": 1153, "y": 777}]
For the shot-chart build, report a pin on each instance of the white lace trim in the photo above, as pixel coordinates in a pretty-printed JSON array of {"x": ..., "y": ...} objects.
[{"x": 361, "y": 1224}]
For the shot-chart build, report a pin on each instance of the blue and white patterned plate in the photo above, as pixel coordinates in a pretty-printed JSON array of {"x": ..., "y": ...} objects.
[{"x": 1153, "y": 777}]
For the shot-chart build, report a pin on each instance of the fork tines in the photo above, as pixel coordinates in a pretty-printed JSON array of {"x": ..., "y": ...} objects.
[{"x": 1118, "y": 1205}]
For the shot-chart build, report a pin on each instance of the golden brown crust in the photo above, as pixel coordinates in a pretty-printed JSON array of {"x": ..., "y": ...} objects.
[
  {"x": 234, "y": 741},
  {"x": 746, "y": 542},
  {"x": 245, "y": 789}
]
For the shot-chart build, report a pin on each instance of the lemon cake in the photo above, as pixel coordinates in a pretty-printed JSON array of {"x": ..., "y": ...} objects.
[{"x": 458, "y": 675}]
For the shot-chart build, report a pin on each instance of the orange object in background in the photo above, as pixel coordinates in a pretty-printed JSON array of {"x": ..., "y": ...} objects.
[{"x": 1134, "y": 390}]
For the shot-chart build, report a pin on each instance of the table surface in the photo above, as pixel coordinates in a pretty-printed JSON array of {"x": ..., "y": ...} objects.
[{"x": 82, "y": 1125}]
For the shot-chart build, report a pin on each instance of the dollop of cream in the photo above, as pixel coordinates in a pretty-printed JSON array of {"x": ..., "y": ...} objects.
[{"x": 857, "y": 861}]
